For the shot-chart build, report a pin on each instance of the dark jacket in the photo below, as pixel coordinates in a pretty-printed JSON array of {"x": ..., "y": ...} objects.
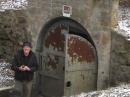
[{"x": 30, "y": 61}]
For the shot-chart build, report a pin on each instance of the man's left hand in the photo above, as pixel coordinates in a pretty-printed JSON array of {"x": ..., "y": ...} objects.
[{"x": 27, "y": 68}]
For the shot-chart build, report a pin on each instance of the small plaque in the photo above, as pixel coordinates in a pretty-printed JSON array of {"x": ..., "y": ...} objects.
[{"x": 66, "y": 10}]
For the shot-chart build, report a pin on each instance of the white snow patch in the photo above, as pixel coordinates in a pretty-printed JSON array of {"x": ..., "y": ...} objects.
[
  {"x": 6, "y": 75},
  {"x": 121, "y": 91},
  {"x": 124, "y": 22},
  {"x": 13, "y": 4}
]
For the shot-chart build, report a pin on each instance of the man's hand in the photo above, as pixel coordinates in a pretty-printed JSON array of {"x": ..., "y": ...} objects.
[
  {"x": 27, "y": 68},
  {"x": 24, "y": 68},
  {"x": 21, "y": 68}
]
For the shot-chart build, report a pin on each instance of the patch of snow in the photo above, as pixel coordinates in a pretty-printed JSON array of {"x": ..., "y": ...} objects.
[
  {"x": 124, "y": 22},
  {"x": 13, "y": 4},
  {"x": 120, "y": 91},
  {"x": 124, "y": 28},
  {"x": 6, "y": 75}
]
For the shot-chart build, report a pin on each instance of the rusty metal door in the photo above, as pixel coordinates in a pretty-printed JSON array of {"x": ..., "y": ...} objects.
[
  {"x": 80, "y": 66},
  {"x": 68, "y": 61},
  {"x": 53, "y": 62}
]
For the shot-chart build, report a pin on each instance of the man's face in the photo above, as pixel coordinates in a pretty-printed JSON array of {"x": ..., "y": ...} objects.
[{"x": 26, "y": 50}]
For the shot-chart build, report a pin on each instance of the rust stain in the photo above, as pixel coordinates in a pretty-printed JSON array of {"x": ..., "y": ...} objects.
[
  {"x": 55, "y": 39},
  {"x": 80, "y": 50},
  {"x": 52, "y": 63}
]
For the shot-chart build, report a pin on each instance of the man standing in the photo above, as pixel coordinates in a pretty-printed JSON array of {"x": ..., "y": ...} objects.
[{"x": 24, "y": 64}]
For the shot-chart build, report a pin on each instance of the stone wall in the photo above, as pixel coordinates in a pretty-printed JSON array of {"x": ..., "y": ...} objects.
[
  {"x": 120, "y": 49},
  {"x": 120, "y": 64},
  {"x": 13, "y": 31}
]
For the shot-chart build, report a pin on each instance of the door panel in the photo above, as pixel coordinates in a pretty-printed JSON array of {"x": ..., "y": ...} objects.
[
  {"x": 81, "y": 67},
  {"x": 54, "y": 62}
]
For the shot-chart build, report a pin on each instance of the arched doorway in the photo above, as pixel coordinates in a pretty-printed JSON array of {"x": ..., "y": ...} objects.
[{"x": 68, "y": 59}]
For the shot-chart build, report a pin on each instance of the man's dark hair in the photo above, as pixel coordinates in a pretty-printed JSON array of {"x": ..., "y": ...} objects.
[{"x": 26, "y": 43}]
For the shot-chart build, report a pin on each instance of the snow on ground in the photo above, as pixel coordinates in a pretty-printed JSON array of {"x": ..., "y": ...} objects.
[
  {"x": 6, "y": 76},
  {"x": 13, "y": 4},
  {"x": 124, "y": 22},
  {"x": 121, "y": 91}
]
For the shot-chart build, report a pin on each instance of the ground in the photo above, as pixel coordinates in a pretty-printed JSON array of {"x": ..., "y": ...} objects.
[
  {"x": 120, "y": 91},
  {"x": 8, "y": 93}
]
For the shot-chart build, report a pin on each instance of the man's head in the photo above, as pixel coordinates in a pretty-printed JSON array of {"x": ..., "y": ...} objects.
[{"x": 27, "y": 48}]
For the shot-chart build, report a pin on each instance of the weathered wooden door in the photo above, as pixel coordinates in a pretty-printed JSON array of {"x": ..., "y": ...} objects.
[
  {"x": 53, "y": 62},
  {"x": 80, "y": 66}
]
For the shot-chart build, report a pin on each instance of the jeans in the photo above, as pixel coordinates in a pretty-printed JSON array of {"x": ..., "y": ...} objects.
[{"x": 24, "y": 88}]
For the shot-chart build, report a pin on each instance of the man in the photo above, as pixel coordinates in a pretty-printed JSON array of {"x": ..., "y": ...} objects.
[{"x": 24, "y": 64}]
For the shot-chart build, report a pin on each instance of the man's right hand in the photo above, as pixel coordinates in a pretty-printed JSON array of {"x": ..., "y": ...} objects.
[{"x": 21, "y": 68}]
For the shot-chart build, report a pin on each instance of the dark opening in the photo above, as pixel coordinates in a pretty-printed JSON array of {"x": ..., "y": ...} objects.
[{"x": 68, "y": 84}]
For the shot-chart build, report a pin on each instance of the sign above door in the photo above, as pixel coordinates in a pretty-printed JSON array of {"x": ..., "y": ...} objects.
[{"x": 67, "y": 10}]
